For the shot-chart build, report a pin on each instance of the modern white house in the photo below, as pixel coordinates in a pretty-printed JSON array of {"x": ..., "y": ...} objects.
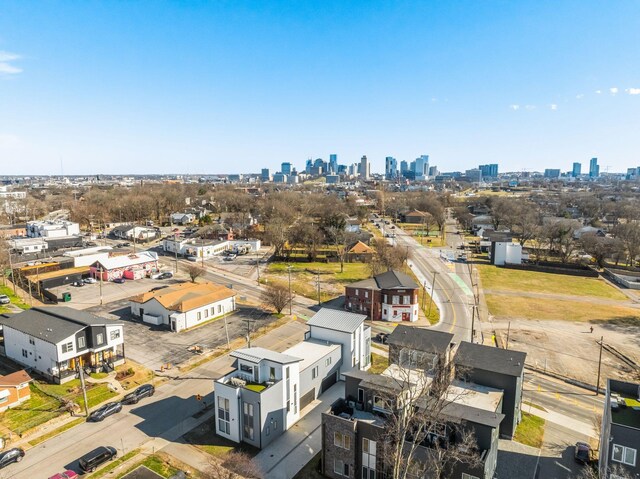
[
  {"x": 56, "y": 341},
  {"x": 132, "y": 266},
  {"x": 134, "y": 233},
  {"x": 52, "y": 229},
  {"x": 195, "y": 247},
  {"x": 28, "y": 245},
  {"x": 184, "y": 305},
  {"x": 265, "y": 393}
]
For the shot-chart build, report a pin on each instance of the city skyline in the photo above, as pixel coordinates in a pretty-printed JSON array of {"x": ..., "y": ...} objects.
[{"x": 232, "y": 88}]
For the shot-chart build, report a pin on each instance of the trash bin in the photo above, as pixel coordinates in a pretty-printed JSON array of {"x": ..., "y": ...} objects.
[{"x": 66, "y": 297}]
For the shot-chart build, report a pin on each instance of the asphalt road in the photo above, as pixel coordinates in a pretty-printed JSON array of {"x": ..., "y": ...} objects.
[{"x": 168, "y": 414}]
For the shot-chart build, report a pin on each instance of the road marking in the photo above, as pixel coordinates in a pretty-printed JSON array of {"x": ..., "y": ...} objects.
[{"x": 460, "y": 282}]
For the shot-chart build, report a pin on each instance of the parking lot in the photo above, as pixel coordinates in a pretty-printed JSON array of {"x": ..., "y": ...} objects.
[{"x": 154, "y": 346}]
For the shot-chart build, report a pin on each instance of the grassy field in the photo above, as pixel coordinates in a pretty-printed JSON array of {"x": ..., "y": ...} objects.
[
  {"x": 535, "y": 282},
  {"x": 378, "y": 363},
  {"x": 530, "y": 308},
  {"x": 530, "y": 431},
  {"x": 14, "y": 299}
]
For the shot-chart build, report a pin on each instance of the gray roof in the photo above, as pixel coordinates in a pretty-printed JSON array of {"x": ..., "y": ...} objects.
[
  {"x": 375, "y": 381},
  {"x": 257, "y": 354},
  {"x": 420, "y": 339},
  {"x": 53, "y": 324},
  {"x": 488, "y": 358},
  {"x": 337, "y": 320},
  {"x": 390, "y": 280},
  {"x": 472, "y": 414}
]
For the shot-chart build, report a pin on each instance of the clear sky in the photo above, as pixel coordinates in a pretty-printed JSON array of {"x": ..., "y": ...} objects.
[{"x": 233, "y": 86}]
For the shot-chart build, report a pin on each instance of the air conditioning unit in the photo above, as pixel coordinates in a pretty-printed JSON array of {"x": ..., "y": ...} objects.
[{"x": 351, "y": 404}]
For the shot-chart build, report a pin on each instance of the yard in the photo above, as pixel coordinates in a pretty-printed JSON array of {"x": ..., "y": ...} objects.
[
  {"x": 141, "y": 375},
  {"x": 378, "y": 363},
  {"x": 159, "y": 463},
  {"x": 530, "y": 431},
  {"x": 204, "y": 437},
  {"x": 15, "y": 300}
]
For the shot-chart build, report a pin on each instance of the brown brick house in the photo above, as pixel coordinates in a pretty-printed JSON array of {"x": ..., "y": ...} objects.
[
  {"x": 390, "y": 296},
  {"x": 14, "y": 389}
]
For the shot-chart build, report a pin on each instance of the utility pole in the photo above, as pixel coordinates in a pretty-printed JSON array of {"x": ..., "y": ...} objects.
[
  {"x": 433, "y": 287},
  {"x": 473, "y": 318},
  {"x": 508, "y": 332},
  {"x": 84, "y": 389},
  {"x": 318, "y": 281},
  {"x": 424, "y": 296},
  {"x": 100, "y": 271},
  {"x": 258, "y": 266},
  {"x": 175, "y": 249},
  {"x": 13, "y": 279},
  {"x": 290, "y": 297},
  {"x": 248, "y": 320},
  {"x": 599, "y": 366}
]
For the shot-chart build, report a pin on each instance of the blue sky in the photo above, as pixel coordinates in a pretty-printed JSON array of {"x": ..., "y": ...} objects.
[{"x": 232, "y": 86}]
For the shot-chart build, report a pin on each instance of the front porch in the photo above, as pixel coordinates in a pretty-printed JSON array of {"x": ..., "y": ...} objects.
[{"x": 91, "y": 362}]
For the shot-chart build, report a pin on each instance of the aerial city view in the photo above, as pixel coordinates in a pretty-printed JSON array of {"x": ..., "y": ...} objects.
[{"x": 305, "y": 240}]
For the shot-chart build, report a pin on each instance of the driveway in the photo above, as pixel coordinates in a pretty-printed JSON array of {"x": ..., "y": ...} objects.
[{"x": 154, "y": 346}]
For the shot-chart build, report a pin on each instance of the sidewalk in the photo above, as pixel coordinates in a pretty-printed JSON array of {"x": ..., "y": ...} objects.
[
  {"x": 565, "y": 421},
  {"x": 284, "y": 457}
]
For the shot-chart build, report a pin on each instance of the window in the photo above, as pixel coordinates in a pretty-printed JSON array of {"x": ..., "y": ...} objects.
[
  {"x": 219, "y": 308},
  {"x": 99, "y": 338},
  {"x": 68, "y": 347},
  {"x": 342, "y": 440},
  {"x": 624, "y": 454},
  {"x": 380, "y": 404},
  {"x": 356, "y": 292},
  {"x": 338, "y": 467},
  {"x": 32, "y": 341},
  {"x": 199, "y": 315},
  {"x": 327, "y": 361},
  {"x": 366, "y": 294},
  {"x": 247, "y": 420},
  {"x": 212, "y": 310},
  {"x": 468, "y": 476},
  {"x": 406, "y": 299},
  {"x": 314, "y": 372},
  {"x": 384, "y": 298},
  {"x": 272, "y": 374},
  {"x": 26, "y": 354},
  {"x": 81, "y": 342},
  {"x": 206, "y": 313},
  {"x": 288, "y": 389},
  {"x": 114, "y": 334},
  {"x": 224, "y": 425},
  {"x": 346, "y": 470},
  {"x": 395, "y": 299},
  {"x": 368, "y": 459},
  {"x": 246, "y": 368},
  {"x": 295, "y": 399}
]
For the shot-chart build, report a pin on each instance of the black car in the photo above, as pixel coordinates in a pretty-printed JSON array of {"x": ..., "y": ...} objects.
[
  {"x": 89, "y": 462},
  {"x": 166, "y": 275},
  {"x": 582, "y": 453},
  {"x": 10, "y": 456},
  {"x": 382, "y": 338},
  {"x": 105, "y": 411},
  {"x": 78, "y": 284},
  {"x": 144, "y": 391}
]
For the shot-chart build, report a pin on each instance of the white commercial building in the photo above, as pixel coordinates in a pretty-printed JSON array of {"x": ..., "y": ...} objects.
[
  {"x": 503, "y": 252},
  {"x": 88, "y": 256},
  {"x": 52, "y": 229}
]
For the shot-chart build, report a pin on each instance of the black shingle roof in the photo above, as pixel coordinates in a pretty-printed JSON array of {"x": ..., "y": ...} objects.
[
  {"x": 420, "y": 339},
  {"x": 488, "y": 358},
  {"x": 390, "y": 280}
]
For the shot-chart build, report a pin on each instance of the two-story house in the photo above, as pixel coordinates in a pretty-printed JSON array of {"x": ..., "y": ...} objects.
[
  {"x": 56, "y": 341},
  {"x": 267, "y": 391},
  {"x": 412, "y": 345},
  {"x": 620, "y": 433},
  {"x": 390, "y": 296}
]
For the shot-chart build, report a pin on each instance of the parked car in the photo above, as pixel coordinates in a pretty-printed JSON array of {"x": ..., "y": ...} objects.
[
  {"x": 89, "y": 462},
  {"x": 192, "y": 258},
  {"x": 119, "y": 280},
  {"x": 382, "y": 338},
  {"x": 10, "y": 456},
  {"x": 77, "y": 284},
  {"x": 230, "y": 257},
  {"x": 126, "y": 244},
  {"x": 146, "y": 390},
  {"x": 69, "y": 474},
  {"x": 166, "y": 275},
  {"x": 156, "y": 275},
  {"x": 4, "y": 299},
  {"x": 90, "y": 281},
  {"x": 105, "y": 411},
  {"x": 582, "y": 453}
]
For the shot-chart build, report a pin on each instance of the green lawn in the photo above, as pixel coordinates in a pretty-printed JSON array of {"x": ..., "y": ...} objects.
[
  {"x": 38, "y": 410},
  {"x": 378, "y": 363},
  {"x": 99, "y": 375},
  {"x": 255, "y": 387},
  {"x": 14, "y": 299},
  {"x": 535, "y": 282},
  {"x": 156, "y": 462},
  {"x": 96, "y": 393},
  {"x": 205, "y": 438},
  {"x": 530, "y": 431}
]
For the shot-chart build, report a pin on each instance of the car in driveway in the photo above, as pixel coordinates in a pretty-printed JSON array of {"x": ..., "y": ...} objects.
[
  {"x": 382, "y": 338},
  {"x": 144, "y": 391},
  {"x": 4, "y": 299},
  {"x": 582, "y": 453},
  {"x": 105, "y": 411},
  {"x": 89, "y": 281},
  {"x": 68, "y": 474},
  {"x": 10, "y": 456},
  {"x": 89, "y": 462},
  {"x": 119, "y": 280}
]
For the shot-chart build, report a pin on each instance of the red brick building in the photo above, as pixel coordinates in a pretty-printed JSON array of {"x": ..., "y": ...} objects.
[
  {"x": 390, "y": 296},
  {"x": 14, "y": 389}
]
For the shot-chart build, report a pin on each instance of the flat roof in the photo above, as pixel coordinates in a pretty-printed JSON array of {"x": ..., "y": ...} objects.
[
  {"x": 337, "y": 320},
  {"x": 311, "y": 351},
  {"x": 257, "y": 354}
]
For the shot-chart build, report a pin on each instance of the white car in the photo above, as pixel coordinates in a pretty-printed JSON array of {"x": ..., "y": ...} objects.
[
  {"x": 89, "y": 281},
  {"x": 158, "y": 275},
  {"x": 4, "y": 299}
]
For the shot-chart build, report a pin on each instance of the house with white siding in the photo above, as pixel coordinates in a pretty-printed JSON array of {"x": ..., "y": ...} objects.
[
  {"x": 184, "y": 305},
  {"x": 57, "y": 341}
]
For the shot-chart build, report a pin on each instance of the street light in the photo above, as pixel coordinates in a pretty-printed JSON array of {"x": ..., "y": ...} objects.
[{"x": 290, "y": 297}]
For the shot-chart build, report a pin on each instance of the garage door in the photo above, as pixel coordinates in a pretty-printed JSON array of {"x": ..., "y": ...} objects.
[
  {"x": 307, "y": 398},
  {"x": 328, "y": 382}
]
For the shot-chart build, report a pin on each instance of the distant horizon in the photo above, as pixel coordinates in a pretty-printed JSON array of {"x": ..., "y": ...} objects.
[{"x": 238, "y": 86}]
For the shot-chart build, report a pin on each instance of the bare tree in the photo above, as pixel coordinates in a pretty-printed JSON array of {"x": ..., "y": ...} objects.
[
  {"x": 629, "y": 234},
  {"x": 276, "y": 296},
  {"x": 233, "y": 465},
  {"x": 194, "y": 272},
  {"x": 4, "y": 261},
  {"x": 599, "y": 247}
]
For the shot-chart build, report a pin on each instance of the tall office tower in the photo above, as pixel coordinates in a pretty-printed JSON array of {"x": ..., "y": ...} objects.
[
  {"x": 365, "y": 168},
  {"x": 594, "y": 168},
  {"x": 285, "y": 169},
  {"x": 576, "y": 170},
  {"x": 433, "y": 171},
  {"x": 333, "y": 163},
  {"x": 489, "y": 171},
  {"x": 309, "y": 165},
  {"x": 404, "y": 166},
  {"x": 266, "y": 175},
  {"x": 421, "y": 167},
  {"x": 390, "y": 168}
]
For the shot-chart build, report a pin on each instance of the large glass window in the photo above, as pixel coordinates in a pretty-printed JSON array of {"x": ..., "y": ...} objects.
[
  {"x": 248, "y": 420},
  {"x": 224, "y": 424},
  {"x": 624, "y": 454},
  {"x": 368, "y": 459}
]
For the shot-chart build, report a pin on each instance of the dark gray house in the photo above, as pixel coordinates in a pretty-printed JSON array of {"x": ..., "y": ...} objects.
[
  {"x": 497, "y": 368},
  {"x": 414, "y": 345},
  {"x": 620, "y": 434},
  {"x": 353, "y": 429}
]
